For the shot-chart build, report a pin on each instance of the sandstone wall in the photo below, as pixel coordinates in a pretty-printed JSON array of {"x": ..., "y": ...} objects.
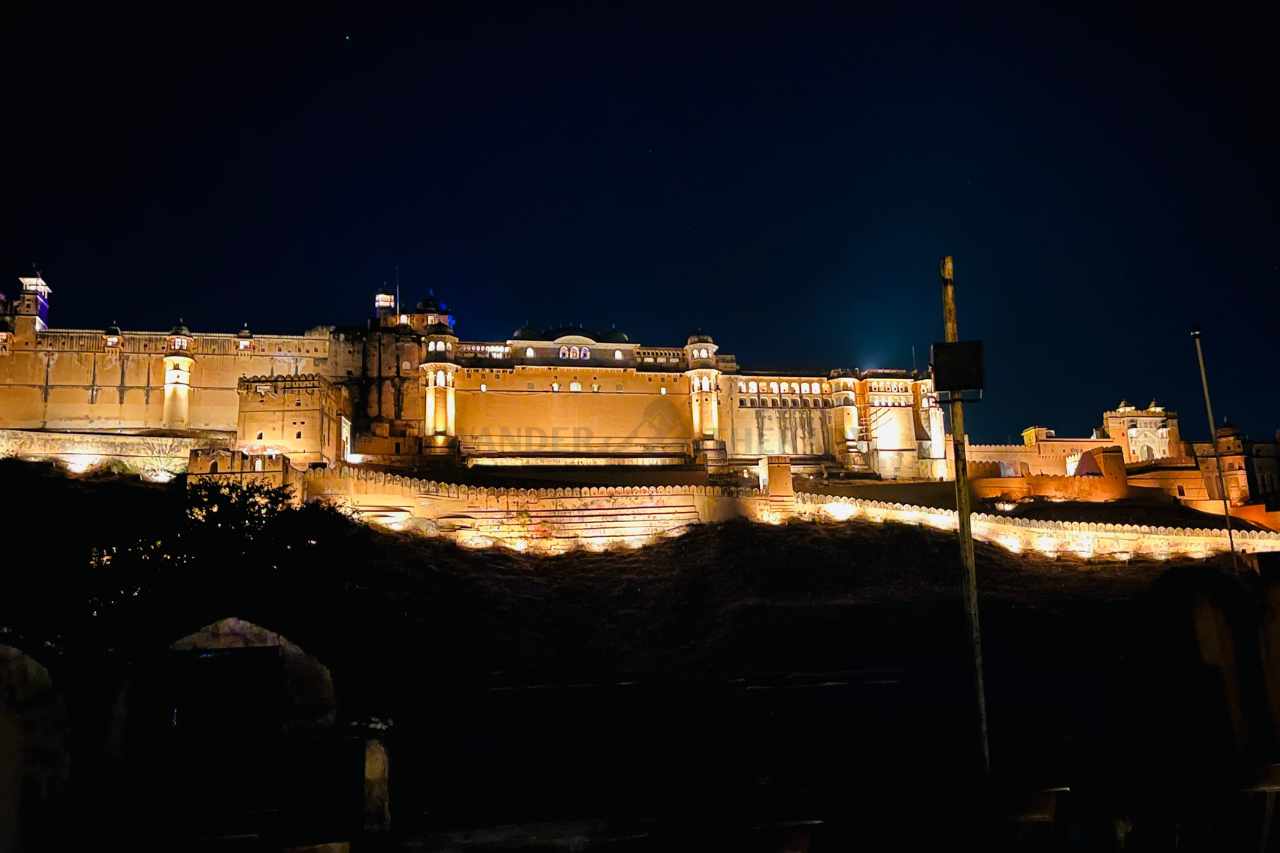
[
  {"x": 1051, "y": 538},
  {"x": 71, "y": 380},
  {"x": 153, "y": 457},
  {"x": 551, "y": 520},
  {"x": 1046, "y": 486},
  {"x": 517, "y": 413}
]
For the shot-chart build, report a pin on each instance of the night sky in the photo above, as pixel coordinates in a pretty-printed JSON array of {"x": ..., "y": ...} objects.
[{"x": 786, "y": 182}]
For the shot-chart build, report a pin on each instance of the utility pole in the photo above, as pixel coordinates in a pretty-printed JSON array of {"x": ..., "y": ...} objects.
[
  {"x": 952, "y": 335},
  {"x": 1213, "y": 442}
]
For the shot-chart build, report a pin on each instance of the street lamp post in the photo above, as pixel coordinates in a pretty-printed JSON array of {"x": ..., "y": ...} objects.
[{"x": 1213, "y": 442}]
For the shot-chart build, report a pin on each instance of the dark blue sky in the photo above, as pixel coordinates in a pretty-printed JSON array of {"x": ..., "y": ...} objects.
[{"x": 785, "y": 181}]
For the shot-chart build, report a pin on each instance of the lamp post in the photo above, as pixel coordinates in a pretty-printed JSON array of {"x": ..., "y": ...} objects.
[
  {"x": 952, "y": 335},
  {"x": 1213, "y": 442}
]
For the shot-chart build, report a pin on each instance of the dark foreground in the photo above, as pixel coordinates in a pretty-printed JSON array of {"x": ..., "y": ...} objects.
[{"x": 744, "y": 687}]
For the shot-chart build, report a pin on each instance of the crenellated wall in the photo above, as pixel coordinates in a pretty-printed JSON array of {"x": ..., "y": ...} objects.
[
  {"x": 555, "y": 520},
  {"x": 551, "y": 519},
  {"x": 1050, "y": 538}
]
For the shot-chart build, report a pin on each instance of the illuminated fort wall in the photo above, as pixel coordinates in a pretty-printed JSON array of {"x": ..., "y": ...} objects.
[
  {"x": 572, "y": 410},
  {"x": 554, "y": 520},
  {"x": 71, "y": 380},
  {"x": 405, "y": 387}
]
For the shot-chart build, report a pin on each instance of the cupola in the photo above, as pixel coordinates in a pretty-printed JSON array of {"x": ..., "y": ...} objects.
[
  {"x": 700, "y": 349},
  {"x": 180, "y": 339}
]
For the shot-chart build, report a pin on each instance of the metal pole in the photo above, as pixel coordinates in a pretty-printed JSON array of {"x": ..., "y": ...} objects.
[
  {"x": 1213, "y": 441},
  {"x": 951, "y": 335}
]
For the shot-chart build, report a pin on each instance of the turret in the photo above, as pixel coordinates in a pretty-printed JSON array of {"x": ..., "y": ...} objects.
[
  {"x": 846, "y": 422},
  {"x": 431, "y": 312},
  {"x": 178, "y": 362},
  {"x": 31, "y": 314},
  {"x": 438, "y": 370},
  {"x": 704, "y": 385},
  {"x": 384, "y": 306}
]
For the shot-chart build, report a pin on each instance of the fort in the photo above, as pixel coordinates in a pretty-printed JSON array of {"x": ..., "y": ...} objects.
[
  {"x": 404, "y": 391},
  {"x": 551, "y": 438}
]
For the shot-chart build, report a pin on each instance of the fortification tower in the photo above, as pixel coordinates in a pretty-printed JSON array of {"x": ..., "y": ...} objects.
[
  {"x": 31, "y": 314},
  {"x": 704, "y": 399},
  {"x": 438, "y": 373},
  {"x": 178, "y": 362},
  {"x": 849, "y": 442},
  {"x": 384, "y": 307}
]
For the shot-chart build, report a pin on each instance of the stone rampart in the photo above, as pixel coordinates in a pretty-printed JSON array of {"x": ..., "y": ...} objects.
[
  {"x": 154, "y": 457},
  {"x": 545, "y": 519},
  {"x": 1051, "y": 486},
  {"x": 1051, "y": 538},
  {"x": 557, "y": 519}
]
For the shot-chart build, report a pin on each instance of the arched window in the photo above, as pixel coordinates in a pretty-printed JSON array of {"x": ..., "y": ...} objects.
[
  {"x": 483, "y": 387},
  {"x": 586, "y": 353},
  {"x": 213, "y": 467},
  {"x": 795, "y": 388},
  {"x": 742, "y": 402},
  {"x": 804, "y": 387},
  {"x": 555, "y": 386},
  {"x": 706, "y": 383},
  {"x": 575, "y": 386},
  {"x": 773, "y": 387},
  {"x": 528, "y": 352},
  {"x": 574, "y": 353},
  {"x": 564, "y": 352},
  {"x": 753, "y": 387},
  {"x": 617, "y": 355},
  {"x": 439, "y": 377},
  {"x": 742, "y": 387},
  {"x": 663, "y": 390}
]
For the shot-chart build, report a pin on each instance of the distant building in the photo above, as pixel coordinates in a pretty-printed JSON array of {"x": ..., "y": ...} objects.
[
  {"x": 1143, "y": 434},
  {"x": 1250, "y": 469}
]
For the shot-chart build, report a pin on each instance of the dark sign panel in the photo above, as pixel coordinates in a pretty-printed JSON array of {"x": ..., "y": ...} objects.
[{"x": 957, "y": 368}]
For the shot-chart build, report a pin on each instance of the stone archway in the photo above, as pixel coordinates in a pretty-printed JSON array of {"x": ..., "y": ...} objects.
[
  {"x": 306, "y": 684},
  {"x": 33, "y": 758},
  {"x": 236, "y": 720},
  {"x": 1146, "y": 453}
]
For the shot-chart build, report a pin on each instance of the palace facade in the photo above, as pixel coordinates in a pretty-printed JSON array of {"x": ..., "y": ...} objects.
[{"x": 404, "y": 390}]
